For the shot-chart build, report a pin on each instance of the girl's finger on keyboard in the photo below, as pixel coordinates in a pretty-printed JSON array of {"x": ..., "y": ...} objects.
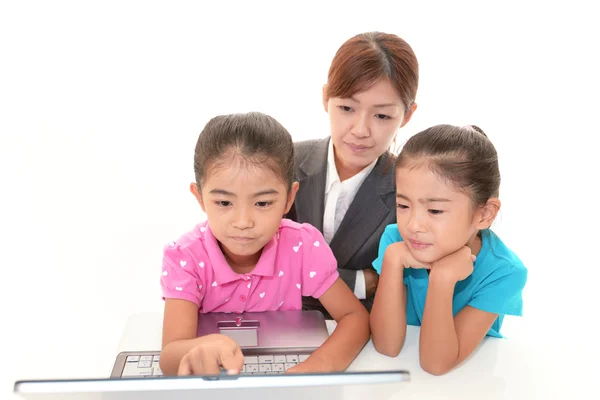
[
  {"x": 184, "y": 367},
  {"x": 205, "y": 363},
  {"x": 232, "y": 361}
]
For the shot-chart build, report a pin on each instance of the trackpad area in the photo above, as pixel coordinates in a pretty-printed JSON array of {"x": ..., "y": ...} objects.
[{"x": 243, "y": 337}]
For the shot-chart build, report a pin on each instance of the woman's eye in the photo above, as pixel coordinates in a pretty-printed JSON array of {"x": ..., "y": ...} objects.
[
  {"x": 223, "y": 203},
  {"x": 382, "y": 116},
  {"x": 263, "y": 204},
  {"x": 401, "y": 206},
  {"x": 436, "y": 212},
  {"x": 345, "y": 108}
]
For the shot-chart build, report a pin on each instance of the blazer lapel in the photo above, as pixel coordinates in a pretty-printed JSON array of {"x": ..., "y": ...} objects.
[
  {"x": 365, "y": 214},
  {"x": 312, "y": 177}
]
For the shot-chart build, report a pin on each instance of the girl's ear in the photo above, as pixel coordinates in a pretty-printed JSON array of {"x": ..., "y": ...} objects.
[
  {"x": 487, "y": 214},
  {"x": 197, "y": 194},
  {"x": 291, "y": 196}
]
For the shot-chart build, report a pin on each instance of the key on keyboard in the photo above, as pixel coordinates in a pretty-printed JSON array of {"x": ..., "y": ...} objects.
[{"x": 147, "y": 366}]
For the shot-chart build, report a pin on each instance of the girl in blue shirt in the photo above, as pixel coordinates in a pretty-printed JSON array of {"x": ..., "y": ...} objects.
[{"x": 440, "y": 265}]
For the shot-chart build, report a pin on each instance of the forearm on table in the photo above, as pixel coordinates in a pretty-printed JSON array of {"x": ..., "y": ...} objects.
[
  {"x": 347, "y": 340},
  {"x": 388, "y": 315},
  {"x": 438, "y": 345}
]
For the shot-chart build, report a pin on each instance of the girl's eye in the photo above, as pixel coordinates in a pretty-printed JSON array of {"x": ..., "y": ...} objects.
[
  {"x": 345, "y": 108},
  {"x": 223, "y": 203},
  {"x": 382, "y": 116},
  {"x": 263, "y": 204},
  {"x": 401, "y": 206},
  {"x": 436, "y": 212}
]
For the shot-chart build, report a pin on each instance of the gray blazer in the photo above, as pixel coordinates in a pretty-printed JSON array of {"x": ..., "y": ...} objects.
[{"x": 356, "y": 242}]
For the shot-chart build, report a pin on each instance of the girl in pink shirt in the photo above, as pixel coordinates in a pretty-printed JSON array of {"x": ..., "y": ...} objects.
[{"x": 246, "y": 257}]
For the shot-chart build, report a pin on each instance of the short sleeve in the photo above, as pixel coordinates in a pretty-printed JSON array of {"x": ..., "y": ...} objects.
[
  {"x": 390, "y": 235},
  {"x": 501, "y": 291},
  {"x": 180, "y": 278},
  {"x": 319, "y": 266}
]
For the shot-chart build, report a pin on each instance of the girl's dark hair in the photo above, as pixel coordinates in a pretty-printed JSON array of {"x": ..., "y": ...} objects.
[
  {"x": 464, "y": 156},
  {"x": 251, "y": 138},
  {"x": 367, "y": 58}
]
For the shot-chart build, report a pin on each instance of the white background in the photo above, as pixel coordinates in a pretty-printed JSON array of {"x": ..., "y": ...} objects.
[{"x": 101, "y": 104}]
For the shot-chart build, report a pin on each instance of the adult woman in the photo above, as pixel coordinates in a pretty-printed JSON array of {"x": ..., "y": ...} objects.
[{"x": 346, "y": 181}]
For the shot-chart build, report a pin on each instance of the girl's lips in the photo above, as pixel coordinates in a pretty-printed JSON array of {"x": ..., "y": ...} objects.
[
  {"x": 241, "y": 238},
  {"x": 418, "y": 245}
]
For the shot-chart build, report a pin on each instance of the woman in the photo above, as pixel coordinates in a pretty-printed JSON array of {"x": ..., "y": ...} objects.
[{"x": 346, "y": 180}]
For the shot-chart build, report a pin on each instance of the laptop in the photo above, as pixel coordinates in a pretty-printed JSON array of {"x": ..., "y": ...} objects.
[
  {"x": 272, "y": 342},
  {"x": 344, "y": 385}
]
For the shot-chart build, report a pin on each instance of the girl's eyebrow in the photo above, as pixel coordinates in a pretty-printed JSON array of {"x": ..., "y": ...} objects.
[
  {"x": 224, "y": 192},
  {"x": 265, "y": 192},
  {"x": 434, "y": 199},
  {"x": 425, "y": 200}
]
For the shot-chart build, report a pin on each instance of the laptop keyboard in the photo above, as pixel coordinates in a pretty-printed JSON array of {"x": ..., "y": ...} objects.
[
  {"x": 147, "y": 366},
  {"x": 142, "y": 367}
]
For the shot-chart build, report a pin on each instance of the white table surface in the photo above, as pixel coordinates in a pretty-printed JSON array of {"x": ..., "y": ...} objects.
[{"x": 498, "y": 369}]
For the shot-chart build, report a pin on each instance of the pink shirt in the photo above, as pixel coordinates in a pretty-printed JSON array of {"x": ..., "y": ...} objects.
[{"x": 296, "y": 262}]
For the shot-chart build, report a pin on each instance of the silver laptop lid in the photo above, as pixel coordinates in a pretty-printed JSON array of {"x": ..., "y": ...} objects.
[
  {"x": 296, "y": 329},
  {"x": 221, "y": 387}
]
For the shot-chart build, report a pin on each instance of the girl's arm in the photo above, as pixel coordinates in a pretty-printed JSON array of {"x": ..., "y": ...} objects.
[
  {"x": 388, "y": 315},
  {"x": 446, "y": 341},
  {"x": 348, "y": 338},
  {"x": 185, "y": 354}
]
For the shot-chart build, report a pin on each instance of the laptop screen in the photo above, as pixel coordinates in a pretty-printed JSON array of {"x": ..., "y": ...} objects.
[{"x": 292, "y": 386}]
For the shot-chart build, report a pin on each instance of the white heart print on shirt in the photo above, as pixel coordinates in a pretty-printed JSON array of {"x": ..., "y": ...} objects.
[
  {"x": 182, "y": 263},
  {"x": 296, "y": 248},
  {"x": 312, "y": 274},
  {"x": 179, "y": 288},
  {"x": 298, "y": 285},
  {"x": 200, "y": 287},
  {"x": 165, "y": 273},
  {"x": 202, "y": 229},
  {"x": 201, "y": 264},
  {"x": 262, "y": 295},
  {"x": 214, "y": 284},
  {"x": 316, "y": 243},
  {"x": 280, "y": 273}
]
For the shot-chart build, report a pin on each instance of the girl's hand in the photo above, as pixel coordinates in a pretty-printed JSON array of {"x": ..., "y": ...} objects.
[
  {"x": 311, "y": 365},
  {"x": 399, "y": 255},
  {"x": 456, "y": 266},
  {"x": 210, "y": 355}
]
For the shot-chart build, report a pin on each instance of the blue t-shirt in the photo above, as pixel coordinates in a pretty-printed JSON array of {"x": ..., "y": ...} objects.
[{"x": 494, "y": 286}]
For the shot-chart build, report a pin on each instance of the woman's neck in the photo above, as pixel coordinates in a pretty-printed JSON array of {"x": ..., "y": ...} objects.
[{"x": 345, "y": 171}]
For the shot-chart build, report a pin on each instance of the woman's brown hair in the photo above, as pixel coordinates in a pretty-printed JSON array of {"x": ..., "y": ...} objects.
[{"x": 367, "y": 58}]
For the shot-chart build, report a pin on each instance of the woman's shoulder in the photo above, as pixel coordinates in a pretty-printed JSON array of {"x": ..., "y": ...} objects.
[{"x": 304, "y": 148}]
